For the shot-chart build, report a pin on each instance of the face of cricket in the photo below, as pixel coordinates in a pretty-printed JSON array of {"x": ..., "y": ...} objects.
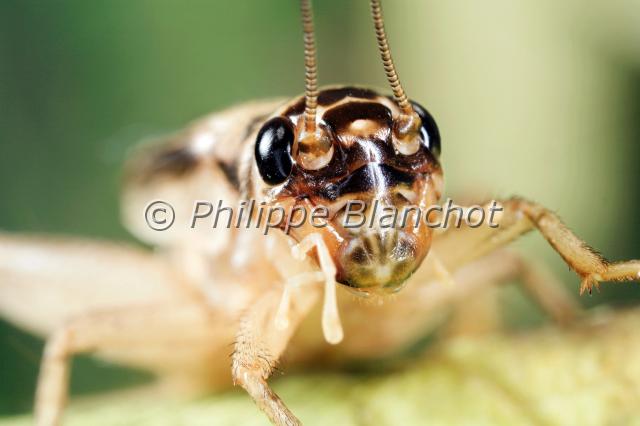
[{"x": 367, "y": 196}]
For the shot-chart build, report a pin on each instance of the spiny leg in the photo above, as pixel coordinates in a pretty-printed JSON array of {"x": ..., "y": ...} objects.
[
  {"x": 585, "y": 261},
  {"x": 259, "y": 345},
  {"x": 458, "y": 246}
]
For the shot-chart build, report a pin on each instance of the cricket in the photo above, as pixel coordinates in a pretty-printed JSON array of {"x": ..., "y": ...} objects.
[{"x": 211, "y": 307}]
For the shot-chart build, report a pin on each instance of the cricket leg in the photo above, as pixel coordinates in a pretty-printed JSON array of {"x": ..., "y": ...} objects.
[
  {"x": 127, "y": 329},
  {"x": 476, "y": 309},
  {"x": 117, "y": 300},
  {"x": 585, "y": 261},
  {"x": 459, "y": 246},
  {"x": 179, "y": 341},
  {"x": 428, "y": 299},
  {"x": 53, "y": 380},
  {"x": 546, "y": 290},
  {"x": 259, "y": 345},
  {"x": 47, "y": 280},
  {"x": 478, "y": 314}
]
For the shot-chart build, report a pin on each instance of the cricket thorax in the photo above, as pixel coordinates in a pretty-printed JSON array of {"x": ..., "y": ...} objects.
[{"x": 362, "y": 161}]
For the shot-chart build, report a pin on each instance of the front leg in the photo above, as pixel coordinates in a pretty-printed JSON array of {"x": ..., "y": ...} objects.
[
  {"x": 520, "y": 216},
  {"x": 584, "y": 260},
  {"x": 259, "y": 345}
]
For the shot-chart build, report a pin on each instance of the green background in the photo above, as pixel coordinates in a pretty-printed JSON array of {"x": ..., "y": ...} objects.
[{"x": 532, "y": 98}]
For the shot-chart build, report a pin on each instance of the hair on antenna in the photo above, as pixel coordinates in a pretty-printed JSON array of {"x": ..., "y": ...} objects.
[
  {"x": 409, "y": 122},
  {"x": 314, "y": 146},
  {"x": 310, "y": 67}
]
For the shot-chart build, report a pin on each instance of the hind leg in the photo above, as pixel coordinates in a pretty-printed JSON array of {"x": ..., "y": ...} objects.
[{"x": 171, "y": 338}]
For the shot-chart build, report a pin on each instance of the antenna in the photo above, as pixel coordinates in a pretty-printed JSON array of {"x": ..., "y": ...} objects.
[
  {"x": 409, "y": 122},
  {"x": 314, "y": 145},
  {"x": 310, "y": 67}
]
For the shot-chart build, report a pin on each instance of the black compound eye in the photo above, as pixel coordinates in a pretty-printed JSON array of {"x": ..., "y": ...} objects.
[
  {"x": 273, "y": 150},
  {"x": 429, "y": 130}
]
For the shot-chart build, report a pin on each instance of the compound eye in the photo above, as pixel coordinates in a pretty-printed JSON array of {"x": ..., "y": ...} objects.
[
  {"x": 429, "y": 130},
  {"x": 273, "y": 150}
]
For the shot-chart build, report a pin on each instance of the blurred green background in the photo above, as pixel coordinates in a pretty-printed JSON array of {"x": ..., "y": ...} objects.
[{"x": 537, "y": 98}]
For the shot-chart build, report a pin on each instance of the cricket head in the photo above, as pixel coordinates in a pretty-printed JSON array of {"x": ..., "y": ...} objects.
[
  {"x": 363, "y": 179},
  {"x": 343, "y": 147}
]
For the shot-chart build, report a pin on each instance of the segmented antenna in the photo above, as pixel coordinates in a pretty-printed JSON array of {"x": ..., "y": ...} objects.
[
  {"x": 310, "y": 67},
  {"x": 389, "y": 68}
]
